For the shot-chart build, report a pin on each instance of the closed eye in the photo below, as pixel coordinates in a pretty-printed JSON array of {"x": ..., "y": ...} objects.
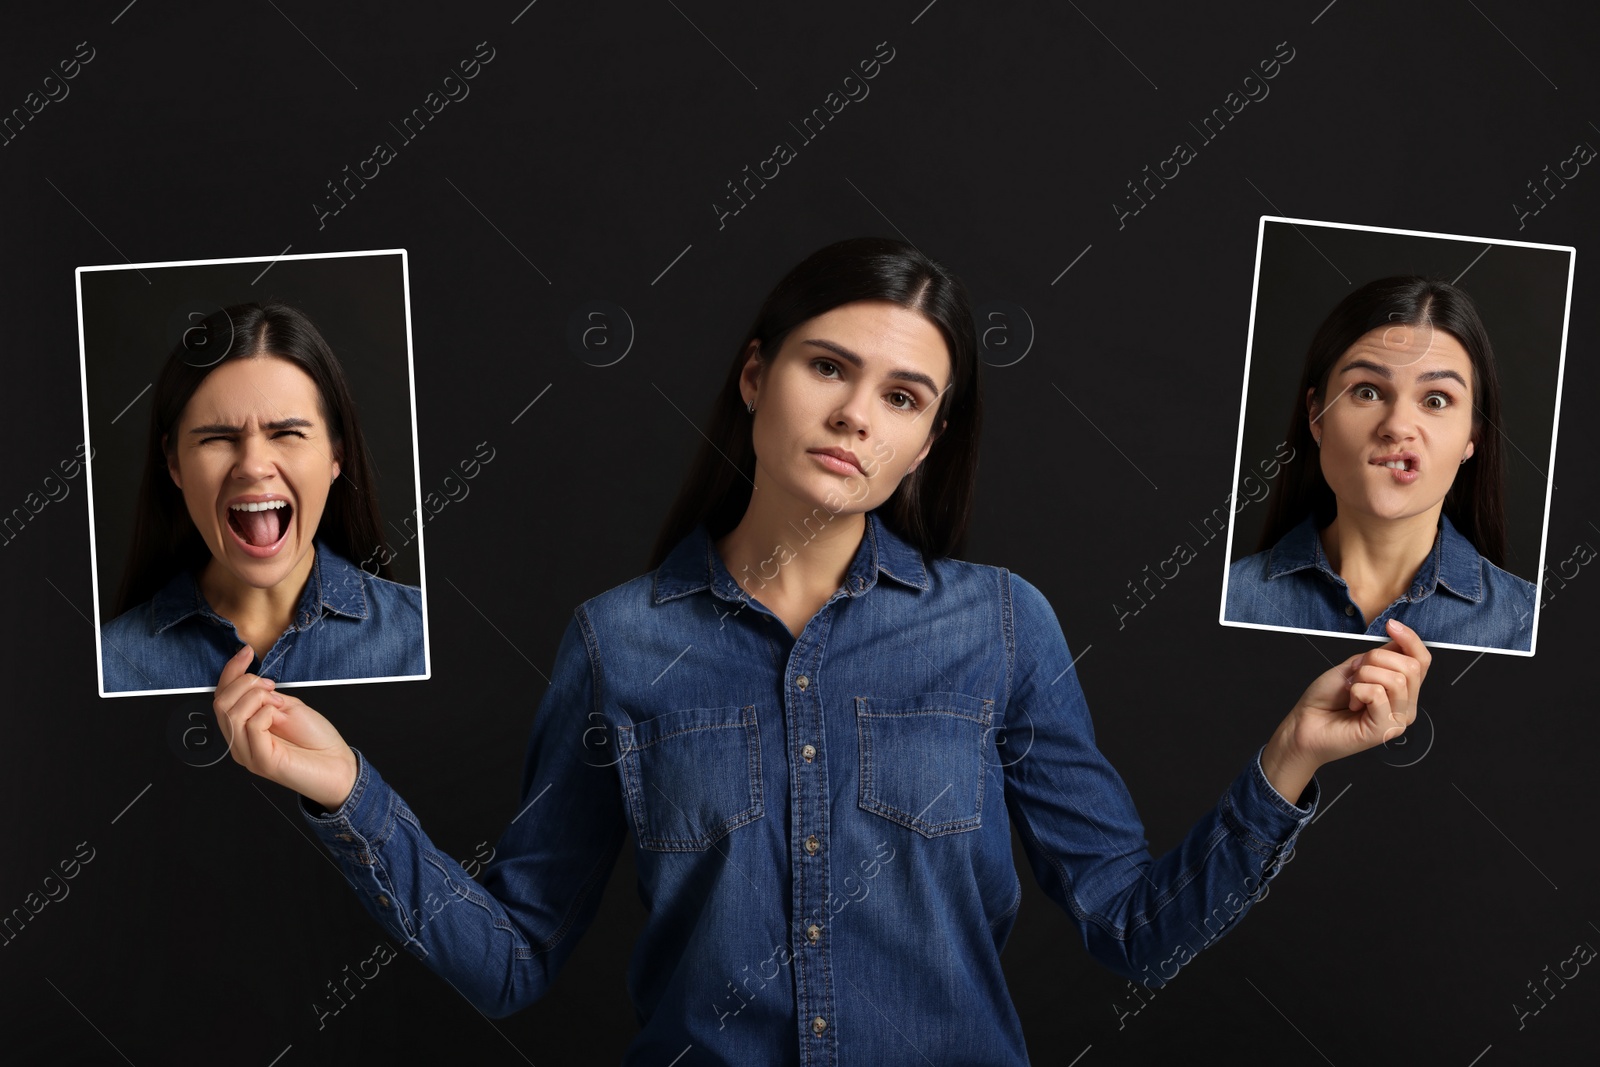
[{"x": 276, "y": 435}]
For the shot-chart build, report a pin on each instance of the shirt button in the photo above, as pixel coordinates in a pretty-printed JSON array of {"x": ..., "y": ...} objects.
[
  {"x": 808, "y": 753},
  {"x": 383, "y": 901},
  {"x": 813, "y": 933},
  {"x": 1349, "y": 609},
  {"x": 802, "y": 682},
  {"x": 812, "y": 844},
  {"x": 818, "y": 1025}
]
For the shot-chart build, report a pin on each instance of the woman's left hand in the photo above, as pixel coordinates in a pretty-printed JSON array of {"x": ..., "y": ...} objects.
[{"x": 1368, "y": 699}]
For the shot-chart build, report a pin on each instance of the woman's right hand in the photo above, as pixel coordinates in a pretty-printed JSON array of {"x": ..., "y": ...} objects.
[{"x": 280, "y": 737}]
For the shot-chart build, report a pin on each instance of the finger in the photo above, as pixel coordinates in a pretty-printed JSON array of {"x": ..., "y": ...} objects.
[
  {"x": 1408, "y": 642},
  {"x": 1373, "y": 699},
  {"x": 1395, "y": 683},
  {"x": 1394, "y": 660},
  {"x": 243, "y": 727},
  {"x": 227, "y": 697},
  {"x": 237, "y": 664},
  {"x": 255, "y": 735},
  {"x": 1414, "y": 670}
]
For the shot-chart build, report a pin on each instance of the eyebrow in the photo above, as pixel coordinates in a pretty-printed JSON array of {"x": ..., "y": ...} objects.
[
  {"x": 857, "y": 362},
  {"x": 281, "y": 424},
  {"x": 1426, "y": 376}
]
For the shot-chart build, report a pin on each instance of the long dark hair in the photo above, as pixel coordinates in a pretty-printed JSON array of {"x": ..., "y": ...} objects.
[
  {"x": 165, "y": 540},
  {"x": 1475, "y": 504},
  {"x": 931, "y": 506}
]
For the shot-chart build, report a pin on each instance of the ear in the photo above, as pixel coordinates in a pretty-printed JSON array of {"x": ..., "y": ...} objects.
[
  {"x": 172, "y": 464},
  {"x": 1471, "y": 448},
  {"x": 1313, "y": 410},
  {"x": 750, "y": 375},
  {"x": 927, "y": 445},
  {"x": 338, "y": 462}
]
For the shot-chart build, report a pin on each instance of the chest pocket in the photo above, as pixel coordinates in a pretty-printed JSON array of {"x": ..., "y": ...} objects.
[
  {"x": 691, "y": 776},
  {"x": 922, "y": 759}
]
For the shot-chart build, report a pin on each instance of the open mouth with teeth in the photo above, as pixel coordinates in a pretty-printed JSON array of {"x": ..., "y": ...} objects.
[{"x": 261, "y": 527}]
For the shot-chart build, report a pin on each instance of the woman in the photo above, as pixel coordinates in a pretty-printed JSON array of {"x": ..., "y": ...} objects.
[
  {"x": 819, "y": 728},
  {"x": 1392, "y": 506},
  {"x": 256, "y": 495}
]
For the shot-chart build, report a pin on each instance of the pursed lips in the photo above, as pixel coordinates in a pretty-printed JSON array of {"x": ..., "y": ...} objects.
[{"x": 841, "y": 454}]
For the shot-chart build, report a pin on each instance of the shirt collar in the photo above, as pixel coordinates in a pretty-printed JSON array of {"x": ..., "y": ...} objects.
[
  {"x": 1453, "y": 563},
  {"x": 336, "y": 585},
  {"x": 693, "y": 565}
]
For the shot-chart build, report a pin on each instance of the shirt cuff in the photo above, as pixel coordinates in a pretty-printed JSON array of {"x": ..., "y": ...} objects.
[
  {"x": 359, "y": 819},
  {"x": 1263, "y": 820}
]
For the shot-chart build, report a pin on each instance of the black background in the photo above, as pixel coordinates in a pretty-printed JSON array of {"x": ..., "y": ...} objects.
[{"x": 1442, "y": 875}]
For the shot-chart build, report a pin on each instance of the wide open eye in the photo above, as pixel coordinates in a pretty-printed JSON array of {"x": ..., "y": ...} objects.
[{"x": 1437, "y": 401}]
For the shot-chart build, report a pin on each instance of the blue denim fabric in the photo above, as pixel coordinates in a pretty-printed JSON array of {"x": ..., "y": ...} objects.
[
  {"x": 348, "y": 624},
  {"x": 1457, "y": 596},
  {"x": 821, "y": 824}
]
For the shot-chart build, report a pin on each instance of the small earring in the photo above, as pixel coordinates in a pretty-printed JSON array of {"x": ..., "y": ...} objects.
[
  {"x": 752, "y": 407},
  {"x": 1464, "y": 460},
  {"x": 1318, "y": 441}
]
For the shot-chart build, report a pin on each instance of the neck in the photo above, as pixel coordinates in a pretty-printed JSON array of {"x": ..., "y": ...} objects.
[
  {"x": 791, "y": 552},
  {"x": 1386, "y": 553},
  {"x": 251, "y": 609}
]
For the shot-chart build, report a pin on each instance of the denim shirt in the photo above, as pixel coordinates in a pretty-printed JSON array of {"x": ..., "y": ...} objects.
[
  {"x": 1457, "y": 597},
  {"x": 821, "y": 824},
  {"x": 349, "y": 624}
]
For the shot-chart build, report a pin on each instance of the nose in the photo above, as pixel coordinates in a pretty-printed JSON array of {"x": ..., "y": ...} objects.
[
  {"x": 1398, "y": 423},
  {"x": 254, "y": 459},
  {"x": 851, "y": 414}
]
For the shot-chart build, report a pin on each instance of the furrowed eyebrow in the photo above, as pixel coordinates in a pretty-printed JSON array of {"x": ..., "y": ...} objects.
[
  {"x": 1427, "y": 376},
  {"x": 280, "y": 424},
  {"x": 857, "y": 362},
  {"x": 1367, "y": 364}
]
